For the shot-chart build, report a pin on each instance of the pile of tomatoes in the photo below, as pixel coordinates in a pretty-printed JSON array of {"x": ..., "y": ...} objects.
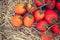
[{"x": 41, "y": 12}]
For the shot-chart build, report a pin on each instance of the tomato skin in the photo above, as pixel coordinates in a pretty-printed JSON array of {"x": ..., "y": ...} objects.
[
  {"x": 58, "y": 6},
  {"x": 38, "y": 15},
  {"x": 28, "y": 20},
  {"x": 16, "y": 21},
  {"x": 19, "y": 9},
  {"x": 51, "y": 16},
  {"x": 42, "y": 25},
  {"x": 39, "y": 3},
  {"x": 51, "y": 4},
  {"x": 44, "y": 36},
  {"x": 56, "y": 29}
]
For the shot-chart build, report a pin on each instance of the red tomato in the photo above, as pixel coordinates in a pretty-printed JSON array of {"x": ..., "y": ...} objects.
[
  {"x": 39, "y": 2},
  {"x": 51, "y": 4},
  {"x": 58, "y": 6},
  {"x": 46, "y": 36},
  {"x": 42, "y": 25},
  {"x": 56, "y": 29},
  {"x": 38, "y": 15},
  {"x": 51, "y": 16}
]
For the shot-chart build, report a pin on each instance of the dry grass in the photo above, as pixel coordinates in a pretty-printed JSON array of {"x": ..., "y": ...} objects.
[{"x": 7, "y": 31}]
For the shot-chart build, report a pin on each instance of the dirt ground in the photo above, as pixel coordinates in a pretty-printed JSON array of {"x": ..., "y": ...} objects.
[{"x": 7, "y": 32}]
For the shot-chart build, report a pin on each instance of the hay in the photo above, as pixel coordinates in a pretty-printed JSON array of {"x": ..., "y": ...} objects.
[{"x": 7, "y": 31}]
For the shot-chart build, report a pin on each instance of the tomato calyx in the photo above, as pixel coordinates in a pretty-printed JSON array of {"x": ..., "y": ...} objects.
[
  {"x": 48, "y": 3},
  {"x": 51, "y": 7},
  {"x": 30, "y": 16},
  {"x": 41, "y": 12},
  {"x": 58, "y": 22},
  {"x": 53, "y": 20},
  {"x": 47, "y": 33},
  {"x": 24, "y": 7},
  {"x": 41, "y": 0},
  {"x": 21, "y": 18},
  {"x": 45, "y": 25},
  {"x": 32, "y": 5},
  {"x": 59, "y": 27}
]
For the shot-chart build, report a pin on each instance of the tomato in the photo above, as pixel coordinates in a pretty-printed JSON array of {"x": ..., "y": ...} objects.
[
  {"x": 16, "y": 21},
  {"x": 38, "y": 15},
  {"x": 51, "y": 16},
  {"x": 56, "y": 29},
  {"x": 46, "y": 36},
  {"x": 28, "y": 20},
  {"x": 42, "y": 25},
  {"x": 20, "y": 9},
  {"x": 51, "y": 4},
  {"x": 58, "y": 6},
  {"x": 30, "y": 7},
  {"x": 39, "y": 2}
]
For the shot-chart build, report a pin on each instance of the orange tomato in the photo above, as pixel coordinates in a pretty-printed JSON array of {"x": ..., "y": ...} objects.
[
  {"x": 28, "y": 20},
  {"x": 16, "y": 21},
  {"x": 30, "y": 6},
  {"x": 38, "y": 15},
  {"x": 20, "y": 9}
]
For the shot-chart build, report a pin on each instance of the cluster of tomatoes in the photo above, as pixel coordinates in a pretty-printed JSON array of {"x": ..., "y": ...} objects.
[{"x": 46, "y": 19}]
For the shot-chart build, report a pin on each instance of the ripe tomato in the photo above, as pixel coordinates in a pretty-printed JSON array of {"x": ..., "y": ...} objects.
[
  {"x": 42, "y": 25},
  {"x": 51, "y": 16},
  {"x": 46, "y": 36},
  {"x": 28, "y": 20},
  {"x": 51, "y": 4},
  {"x": 20, "y": 9},
  {"x": 38, "y": 15},
  {"x": 56, "y": 29},
  {"x": 39, "y": 2},
  {"x": 16, "y": 21},
  {"x": 30, "y": 6},
  {"x": 58, "y": 6}
]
